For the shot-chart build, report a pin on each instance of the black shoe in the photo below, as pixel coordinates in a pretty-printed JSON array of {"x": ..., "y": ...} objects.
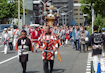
[
  {"x": 36, "y": 51},
  {"x": 24, "y": 71}
]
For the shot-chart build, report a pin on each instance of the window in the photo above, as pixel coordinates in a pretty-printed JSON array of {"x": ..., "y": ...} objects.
[
  {"x": 76, "y": 18},
  {"x": 75, "y": 13},
  {"x": 81, "y": 18},
  {"x": 81, "y": 13},
  {"x": 76, "y": 23},
  {"x": 81, "y": 23},
  {"x": 75, "y": 9},
  {"x": 75, "y": 1}
]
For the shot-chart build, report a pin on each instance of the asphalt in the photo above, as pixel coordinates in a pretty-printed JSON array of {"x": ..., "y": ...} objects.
[{"x": 72, "y": 62}]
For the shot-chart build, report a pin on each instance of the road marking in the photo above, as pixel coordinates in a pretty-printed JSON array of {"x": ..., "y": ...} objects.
[
  {"x": 88, "y": 67},
  {"x": 2, "y": 51},
  {"x": 1, "y": 45},
  {"x": 8, "y": 59},
  {"x": 90, "y": 58}
]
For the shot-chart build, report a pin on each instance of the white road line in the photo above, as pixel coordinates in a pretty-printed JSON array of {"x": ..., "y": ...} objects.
[
  {"x": 2, "y": 51},
  {"x": 8, "y": 60},
  {"x": 89, "y": 59},
  {"x": 1, "y": 45}
]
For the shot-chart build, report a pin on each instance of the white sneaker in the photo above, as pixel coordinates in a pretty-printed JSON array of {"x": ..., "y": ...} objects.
[{"x": 56, "y": 52}]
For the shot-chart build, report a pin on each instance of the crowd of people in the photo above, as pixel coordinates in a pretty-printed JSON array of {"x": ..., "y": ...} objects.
[
  {"x": 77, "y": 36},
  {"x": 47, "y": 38}
]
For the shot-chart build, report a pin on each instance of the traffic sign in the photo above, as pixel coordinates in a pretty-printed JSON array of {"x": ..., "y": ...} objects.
[
  {"x": 73, "y": 22},
  {"x": 10, "y": 2}
]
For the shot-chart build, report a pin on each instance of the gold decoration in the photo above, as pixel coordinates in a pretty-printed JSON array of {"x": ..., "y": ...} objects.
[{"x": 51, "y": 7}]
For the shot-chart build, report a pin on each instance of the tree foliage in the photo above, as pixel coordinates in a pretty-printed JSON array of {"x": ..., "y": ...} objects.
[
  {"x": 99, "y": 6},
  {"x": 9, "y": 10},
  {"x": 99, "y": 21}
]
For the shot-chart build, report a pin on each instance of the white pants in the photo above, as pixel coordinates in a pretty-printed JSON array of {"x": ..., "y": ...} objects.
[
  {"x": 14, "y": 42},
  {"x": 34, "y": 46},
  {"x": 96, "y": 59},
  {"x": 5, "y": 49},
  {"x": 66, "y": 41}
]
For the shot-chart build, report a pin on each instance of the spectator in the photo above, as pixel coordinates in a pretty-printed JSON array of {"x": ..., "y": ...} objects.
[
  {"x": 5, "y": 39},
  {"x": 10, "y": 38},
  {"x": 82, "y": 38},
  {"x": 87, "y": 37}
]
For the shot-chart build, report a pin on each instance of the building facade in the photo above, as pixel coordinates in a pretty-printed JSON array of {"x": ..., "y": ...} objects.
[
  {"x": 34, "y": 9},
  {"x": 78, "y": 15},
  {"x": 69, "y": 4}
]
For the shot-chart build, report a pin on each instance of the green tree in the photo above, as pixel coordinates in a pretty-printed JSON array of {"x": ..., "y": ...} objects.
[
  {"x": 99, "y": 6},
  {"x": 9, "y": 10},
  {"x": 100, "y": 21}
]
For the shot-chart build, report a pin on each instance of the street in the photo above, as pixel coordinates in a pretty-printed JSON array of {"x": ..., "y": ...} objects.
[{"x": 72, "y": 62}]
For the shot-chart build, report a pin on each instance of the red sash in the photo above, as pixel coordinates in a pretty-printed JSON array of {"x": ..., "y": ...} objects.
[{"x": 15, "y": 31}]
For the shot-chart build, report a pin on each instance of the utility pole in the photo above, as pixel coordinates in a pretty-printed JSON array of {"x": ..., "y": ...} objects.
[
  {"x": 19, "y": 26},
  {"x": 65, "y": 19},
  {"x": 58, "y": 18},
  {"x": 23, "y": 12},
  {"x": 92, "y": 17}
]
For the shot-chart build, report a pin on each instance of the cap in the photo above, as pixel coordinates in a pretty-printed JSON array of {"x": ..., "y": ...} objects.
[
  {"x": 5, "y": 28},
  {"x": 103, "y": 29}
]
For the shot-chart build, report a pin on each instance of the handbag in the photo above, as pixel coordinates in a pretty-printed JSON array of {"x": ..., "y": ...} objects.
[
  {"x": 86, "y": 39},
  {"x": 5, "y": 42}
]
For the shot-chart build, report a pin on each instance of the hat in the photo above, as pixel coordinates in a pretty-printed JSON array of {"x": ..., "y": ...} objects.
[
  {"x": 36, "y": 25},
  {"x": 11, "y": 26},
  {"x": 103, "y": 29},
  {"x": 5, "y": 28}
]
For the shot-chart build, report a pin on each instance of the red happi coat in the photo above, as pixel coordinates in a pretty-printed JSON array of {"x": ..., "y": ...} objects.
[
  {"x": 35, "y": 35},
  {"x": 43, "y": 31},
  {"x": 52, "y": 44},
  {"x": 30, "y": 31},
  {"x": 40, "y": 31},
  {"x": 68, "y": 34}
]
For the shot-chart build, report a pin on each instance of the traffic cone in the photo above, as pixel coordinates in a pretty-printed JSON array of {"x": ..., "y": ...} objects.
[{"x": 99, "y": 68}]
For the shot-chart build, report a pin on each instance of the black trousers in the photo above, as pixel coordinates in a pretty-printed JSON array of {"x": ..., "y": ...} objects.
[
  {"x": 82, "y": 48},
  {"x": 10, "y": 45},
  {"x": 45, "y": 66},
  {"x": 63, "y": 40},
  {"x": 77, "y": 44},
  {"x": 24, "y": 64}
]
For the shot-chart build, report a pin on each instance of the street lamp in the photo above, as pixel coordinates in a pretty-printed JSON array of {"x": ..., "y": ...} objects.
[
  {"x": 66, "y": 15},
  {"x": 78, "y": 4},
  {"x": 19, "y": 14},
  {"x": 45, "y": 7},
  {"x": 24, "y": 10},
  {"x": 58, "y": 11},
  {"x": 45, "y": 4}
]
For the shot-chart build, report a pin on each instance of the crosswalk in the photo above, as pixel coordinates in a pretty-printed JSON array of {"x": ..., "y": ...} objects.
[
  {"x": 88, "y": 67},
  {"x": 90, "y": 58}
]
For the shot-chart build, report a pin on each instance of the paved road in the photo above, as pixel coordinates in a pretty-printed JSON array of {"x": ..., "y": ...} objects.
[{"x": 72, "y": 62}]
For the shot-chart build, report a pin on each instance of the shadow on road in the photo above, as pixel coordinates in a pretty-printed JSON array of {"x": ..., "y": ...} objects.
[
  {"x": 59, "y": 70},
  {"x": 33, "y": 72}
]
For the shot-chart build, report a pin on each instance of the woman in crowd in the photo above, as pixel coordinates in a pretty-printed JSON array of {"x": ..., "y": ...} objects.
[{"x": 5, "y": 39}]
